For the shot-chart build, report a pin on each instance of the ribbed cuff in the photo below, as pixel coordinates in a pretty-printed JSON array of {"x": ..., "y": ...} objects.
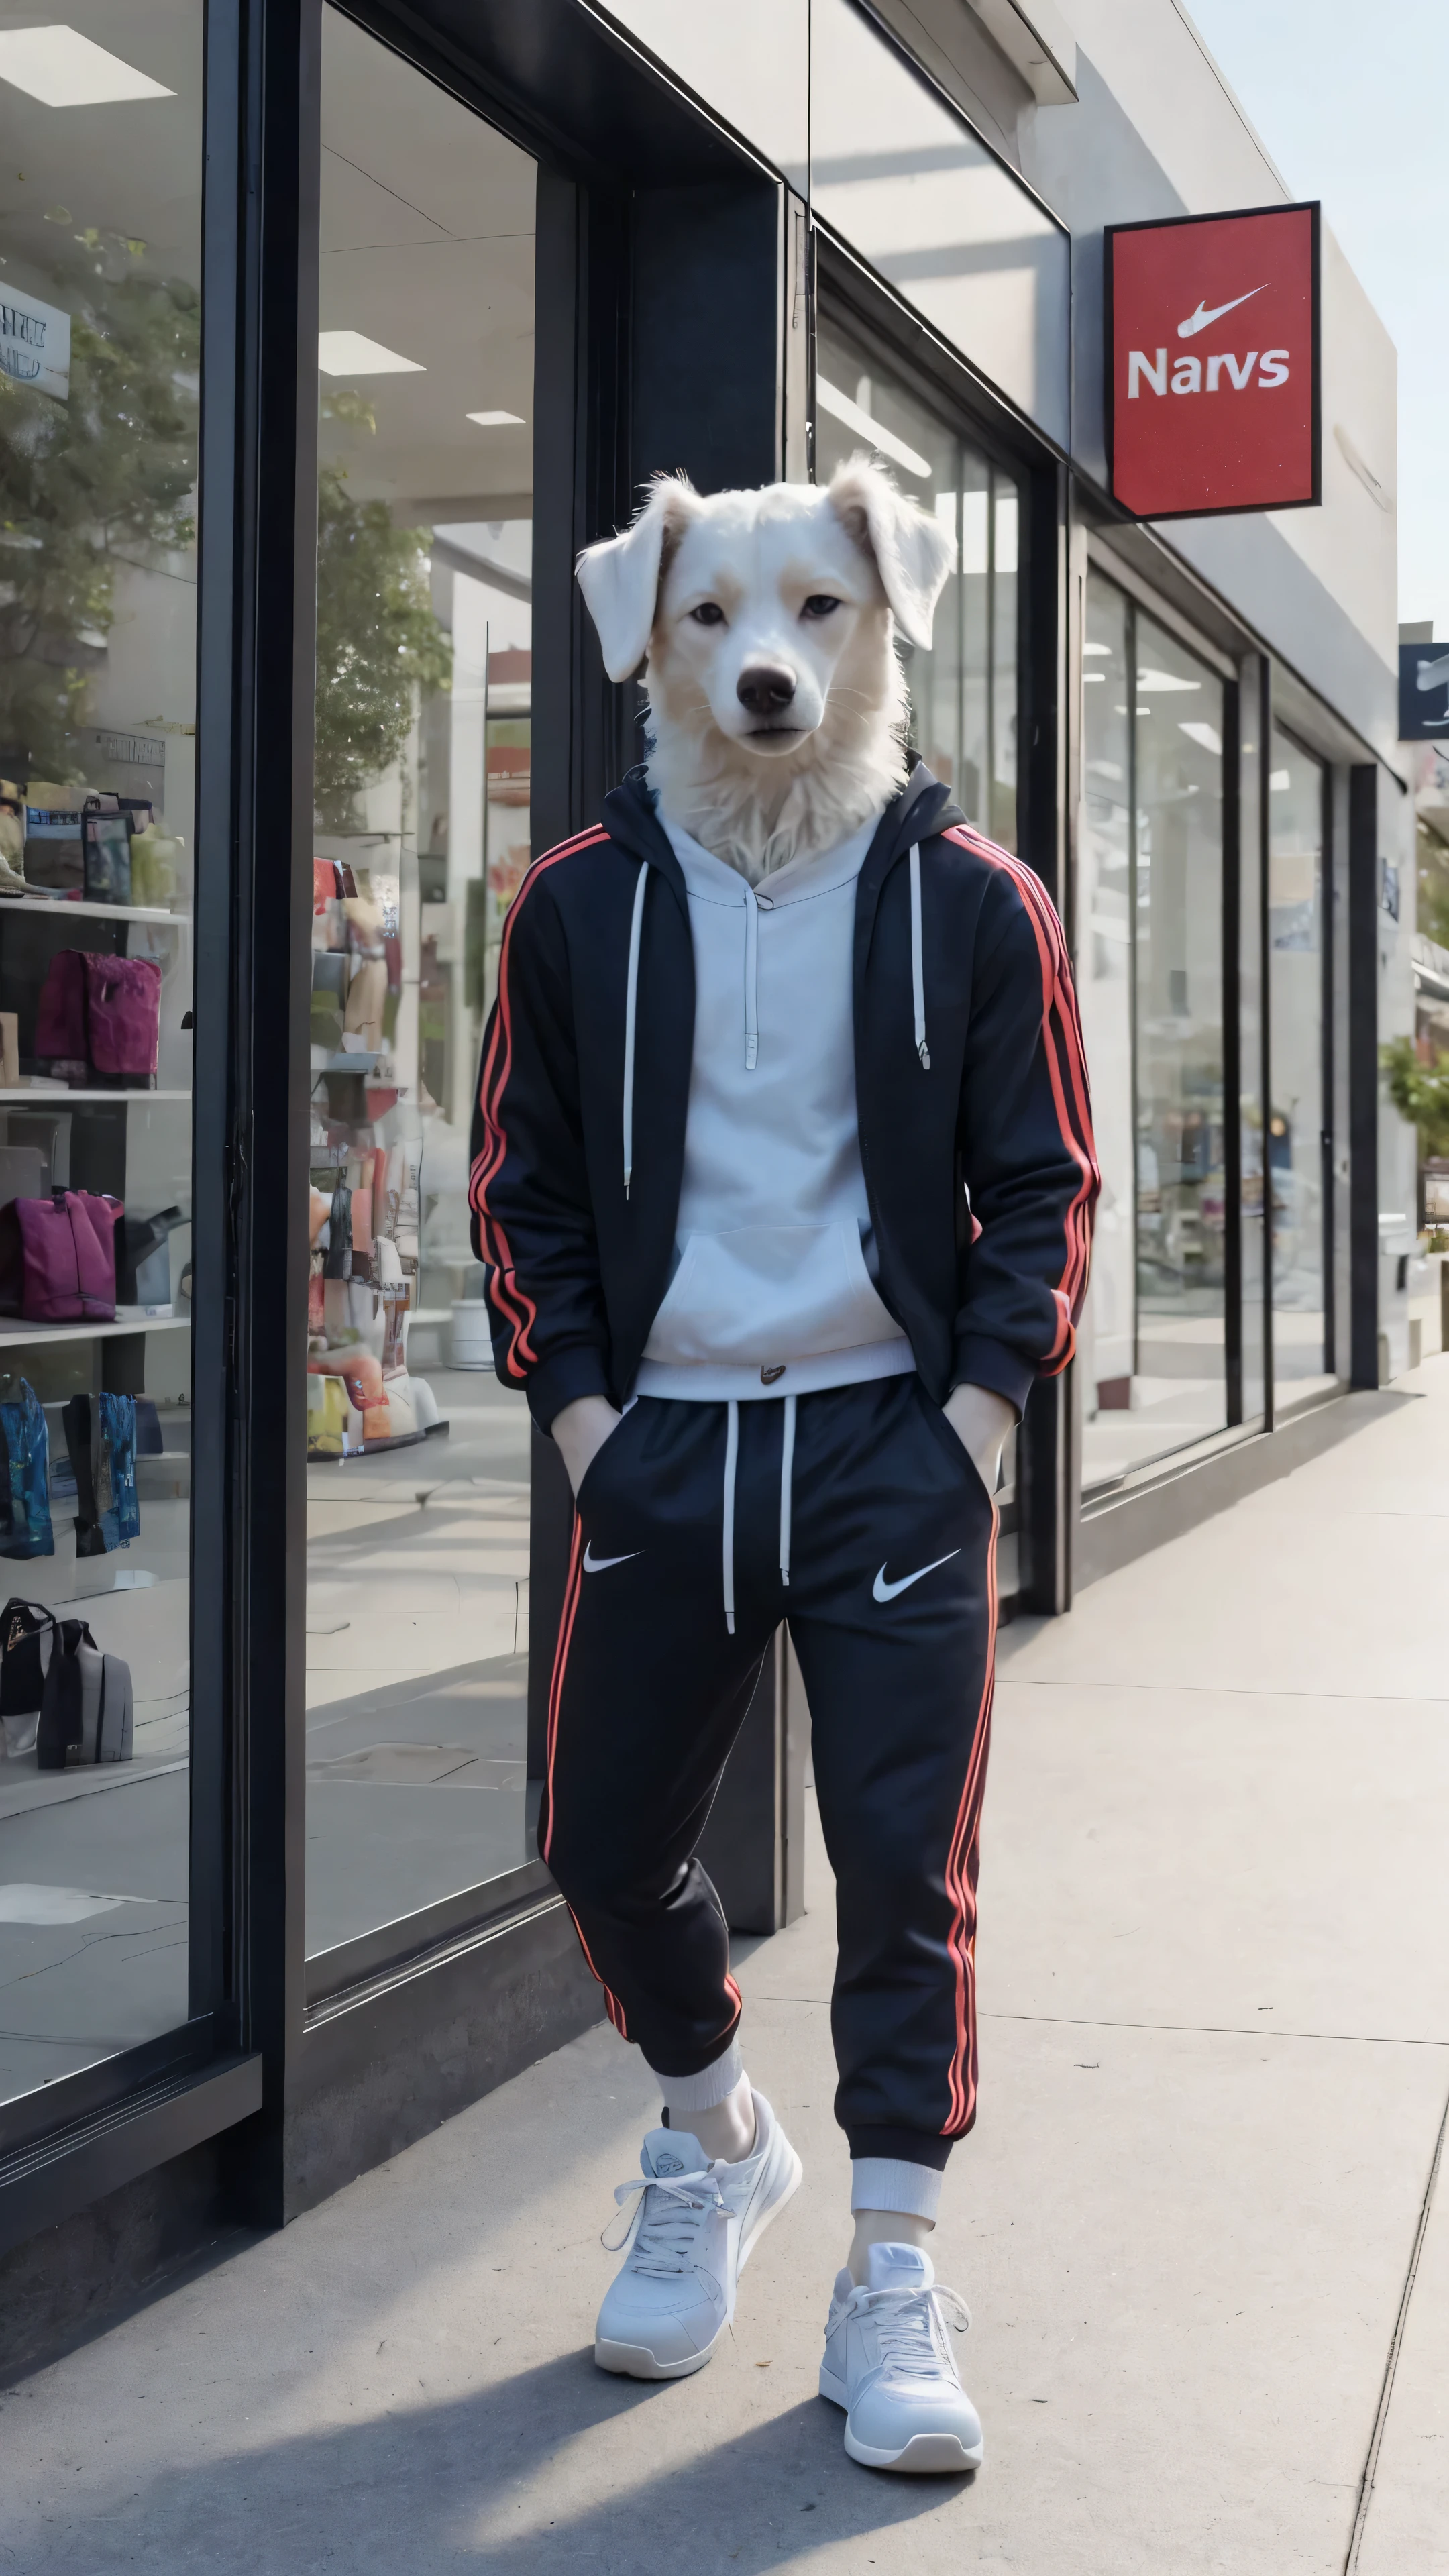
[
  {"x": 982, "y": 1361},
  {"x": 880, "y": 2182},
  {"x": 706, "y": 2090}
]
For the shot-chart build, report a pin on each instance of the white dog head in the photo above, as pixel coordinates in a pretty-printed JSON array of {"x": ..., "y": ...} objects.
[{"x": 766, "y": 619}]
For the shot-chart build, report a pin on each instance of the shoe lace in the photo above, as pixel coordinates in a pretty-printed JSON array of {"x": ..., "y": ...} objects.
[
  {"x": 903, "y": 2324},
  {"x": 662, "y": 2231}
]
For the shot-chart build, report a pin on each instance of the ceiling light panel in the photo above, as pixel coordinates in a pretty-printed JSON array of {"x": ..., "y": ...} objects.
[
  {"x": 63, "y": 68},
  {"x": 351, "y": 353},
  {"x": 497, "y": 419}
]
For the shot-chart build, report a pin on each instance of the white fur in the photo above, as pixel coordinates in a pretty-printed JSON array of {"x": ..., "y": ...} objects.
[{"x": 759, "y": 786}]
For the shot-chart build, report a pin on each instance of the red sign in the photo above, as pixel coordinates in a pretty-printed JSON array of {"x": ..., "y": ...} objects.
[{"x": 1212, "y": 363}]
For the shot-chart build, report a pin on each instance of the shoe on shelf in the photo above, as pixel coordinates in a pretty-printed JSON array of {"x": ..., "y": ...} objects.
[
  {"x": 888, "y": 2362},
  {"x": 693, "y": 2230}
]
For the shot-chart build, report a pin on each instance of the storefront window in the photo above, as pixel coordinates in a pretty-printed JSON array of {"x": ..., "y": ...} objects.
[
  {"x": 99, "y": 375},
  {"x": 418, "y": 1484},
  {"x": 1108, "y": 1334},
  {"x": 963, "y": 692},
  {"x": 1296, "y": 1119},
  {"x": 1150, "y": 968}
]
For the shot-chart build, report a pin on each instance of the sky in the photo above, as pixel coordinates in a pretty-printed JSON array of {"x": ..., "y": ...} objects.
[{"x": 1346, "y": 99}]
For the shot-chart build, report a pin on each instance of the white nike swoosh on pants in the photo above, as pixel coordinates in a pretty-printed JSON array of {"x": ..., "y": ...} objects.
[
  {"x": 601, "y": 1564},
  {"x": 883, "y": 1591}
]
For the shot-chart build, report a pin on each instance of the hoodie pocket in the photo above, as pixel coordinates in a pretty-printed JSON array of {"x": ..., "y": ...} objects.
[{"x": 762, "y": 1295}]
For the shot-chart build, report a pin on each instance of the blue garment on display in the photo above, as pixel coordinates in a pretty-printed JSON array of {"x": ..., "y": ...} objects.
[
  {"x": 25, "y": 1528},
  {"x": 118, "y": 1510}
]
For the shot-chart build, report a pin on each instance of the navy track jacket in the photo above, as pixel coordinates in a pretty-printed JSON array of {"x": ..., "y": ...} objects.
[{"x": 977, "y": 1149}]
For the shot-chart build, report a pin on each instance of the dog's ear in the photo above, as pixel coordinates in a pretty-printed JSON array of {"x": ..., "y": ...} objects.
[
  {"x": 620, "y": 578},
  {"x": 912, "y": 551}
]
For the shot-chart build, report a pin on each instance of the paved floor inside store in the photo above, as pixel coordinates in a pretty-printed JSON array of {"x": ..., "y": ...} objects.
[
  {"x": 93, "y": 1864},
  {"x": 417, "y": 1622},
  {"x": 417, "y": 1615},
  {"x": 1215, "y": 2056}
]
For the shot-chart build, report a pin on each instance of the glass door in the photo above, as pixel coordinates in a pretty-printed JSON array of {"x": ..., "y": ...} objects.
[
  {"x": 418, "y": 1461},
  {"x": 100, "y": 236},
  {"x": 1299, "y": 1160},
  {"x": 963, "y": 692},
  {"x": 1150, "y": 952}
]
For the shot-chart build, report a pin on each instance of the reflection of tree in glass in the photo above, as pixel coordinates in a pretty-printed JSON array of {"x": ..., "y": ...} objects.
[
  {"x": 378, "y": 639},
  {"x": 1416, "y": 1078},
  {"x": 1432, "y": 916},
  {"x": 106, "y": 477}
]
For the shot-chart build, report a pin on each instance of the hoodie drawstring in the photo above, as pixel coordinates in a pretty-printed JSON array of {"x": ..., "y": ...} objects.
[
  {"x": 631, "y": 1022},
  {"x": 918, "y": 969},
  {"x": 787, "y": 1463},
  {"x": 752, "y": 979}
]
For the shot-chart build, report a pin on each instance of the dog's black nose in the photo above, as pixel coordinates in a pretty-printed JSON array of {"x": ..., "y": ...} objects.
[{"x": 765, "y": 687}]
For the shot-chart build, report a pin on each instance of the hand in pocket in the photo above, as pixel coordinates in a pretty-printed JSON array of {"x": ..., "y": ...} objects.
[
  {"x": 580, "y": 1432},
  {"x": 981, "y": 1422}
]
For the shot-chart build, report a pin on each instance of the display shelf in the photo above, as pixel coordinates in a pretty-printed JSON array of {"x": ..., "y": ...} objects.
[
  {"x": 76, "y": 906},
  {"x": 372, "y": 1448},
  {"x": 61, "y": 1098},
  {"x": 15, "y": 1332},
  {"x": 358, "y": 1060}
]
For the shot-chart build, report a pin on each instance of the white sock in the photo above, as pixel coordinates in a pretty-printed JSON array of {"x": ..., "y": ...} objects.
[{"x": 684, "y": 2095}]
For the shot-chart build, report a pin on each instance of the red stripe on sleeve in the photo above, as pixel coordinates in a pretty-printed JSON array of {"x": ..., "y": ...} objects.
[
  {"x": 1066, "y": 1072},
  {"x": 512, "y": 1300}
]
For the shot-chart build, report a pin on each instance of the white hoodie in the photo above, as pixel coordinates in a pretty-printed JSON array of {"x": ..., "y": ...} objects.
[{"x": 772, "y": 1292}]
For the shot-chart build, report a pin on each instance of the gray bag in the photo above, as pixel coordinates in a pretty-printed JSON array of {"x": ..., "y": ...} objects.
[
  {"x": 107, "y": 1707},
  {"x": 87, "y": 1708}
]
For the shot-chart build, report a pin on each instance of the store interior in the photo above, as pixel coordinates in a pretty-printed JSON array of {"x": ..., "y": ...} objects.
[
  {"x": 99, "y": 355},
  {"x": 1152, "y": 1349},
  {"x": 418, "y": 1461}
]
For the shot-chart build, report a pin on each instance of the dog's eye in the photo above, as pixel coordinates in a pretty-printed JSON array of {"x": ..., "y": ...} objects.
[
  {"x": 819, "y": 604},
  {"x": 708, "y": 613}
]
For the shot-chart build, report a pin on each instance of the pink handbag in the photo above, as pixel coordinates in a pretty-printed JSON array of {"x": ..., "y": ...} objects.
[
  {"x": 58, "y": 1258},
  {"x": 123, "y": 1016},
  {"x": 99, "y": 1015}
]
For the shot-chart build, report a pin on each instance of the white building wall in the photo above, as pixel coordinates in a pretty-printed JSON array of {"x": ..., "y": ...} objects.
[{"x": 1156, "y": 132}]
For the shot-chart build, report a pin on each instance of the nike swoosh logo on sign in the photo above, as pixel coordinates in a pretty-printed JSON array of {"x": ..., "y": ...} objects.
[
  {"x": 601, "y": 1564},
  {"x": 883, "y": 1591},
  {"x": 1199, "y": 320}
]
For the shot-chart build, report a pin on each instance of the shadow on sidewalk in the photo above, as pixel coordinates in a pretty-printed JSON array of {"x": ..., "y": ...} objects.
[{"x": 439, "y": 2486}]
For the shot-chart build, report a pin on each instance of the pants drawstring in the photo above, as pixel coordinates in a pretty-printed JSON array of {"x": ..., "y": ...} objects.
[
  {"x": 787, "y": 1464},
  {"x": 732, "y": 1451}
]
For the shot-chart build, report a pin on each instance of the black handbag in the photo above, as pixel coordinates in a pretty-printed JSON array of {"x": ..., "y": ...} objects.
[
  {"x": 27, "y": 1633},
  {"x": 62, "y": 1707}
]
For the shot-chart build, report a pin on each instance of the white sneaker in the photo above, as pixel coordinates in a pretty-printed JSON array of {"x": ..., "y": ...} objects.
[
  {"x": 888, "y": 2362},
  {"x": 693, "y": 2232}
]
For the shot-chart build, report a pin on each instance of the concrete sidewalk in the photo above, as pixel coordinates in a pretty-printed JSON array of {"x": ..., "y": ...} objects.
[{"x": 1215, "y": 2056}]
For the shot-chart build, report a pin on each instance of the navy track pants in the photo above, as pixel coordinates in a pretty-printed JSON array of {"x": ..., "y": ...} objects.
[{"x": 889, "y": 1538}]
